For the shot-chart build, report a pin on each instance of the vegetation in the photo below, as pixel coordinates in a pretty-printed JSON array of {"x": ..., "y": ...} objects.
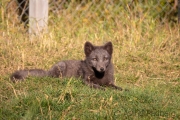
[{"x": 146, "y": 59}]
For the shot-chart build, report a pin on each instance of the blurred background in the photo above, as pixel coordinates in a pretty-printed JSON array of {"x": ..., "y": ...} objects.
[{"x": 93, "y": 11}]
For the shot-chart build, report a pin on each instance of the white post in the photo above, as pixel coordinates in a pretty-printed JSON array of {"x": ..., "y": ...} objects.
[{"x": 38, "y": 16}]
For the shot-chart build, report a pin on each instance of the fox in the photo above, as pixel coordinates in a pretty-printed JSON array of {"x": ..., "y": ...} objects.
[{"x": 96, "y": 70}]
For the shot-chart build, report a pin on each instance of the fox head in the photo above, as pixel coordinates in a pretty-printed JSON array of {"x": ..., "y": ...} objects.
[{"x": 98, "y": 57}]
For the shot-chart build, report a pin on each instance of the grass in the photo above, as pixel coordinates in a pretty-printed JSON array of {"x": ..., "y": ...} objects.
[{"x": 146, "y": 59}]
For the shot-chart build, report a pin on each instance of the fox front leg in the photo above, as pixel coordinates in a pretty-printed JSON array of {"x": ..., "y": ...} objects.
[
  {"x": 115, "y": 87},
  {"x": 92, "y": 85}
]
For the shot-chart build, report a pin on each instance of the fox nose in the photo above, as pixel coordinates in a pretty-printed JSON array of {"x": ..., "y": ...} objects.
[{"x": 101, "y": 69}]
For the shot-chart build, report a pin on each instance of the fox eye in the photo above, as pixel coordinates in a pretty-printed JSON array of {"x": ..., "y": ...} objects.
[
  {"x": 105, "y": 58},
  {"x": 94, "y": 59}
]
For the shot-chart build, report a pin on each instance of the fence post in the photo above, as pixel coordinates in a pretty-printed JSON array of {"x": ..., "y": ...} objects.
[
  {"x": 179, "y": 11},
  {"x": 38, "y": 16}
]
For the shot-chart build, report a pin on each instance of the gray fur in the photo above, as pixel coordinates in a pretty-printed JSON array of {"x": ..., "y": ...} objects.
[{"x": 96, "y": 70}]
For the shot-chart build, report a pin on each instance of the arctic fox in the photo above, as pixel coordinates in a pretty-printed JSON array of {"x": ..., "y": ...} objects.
[{"x": 96, "y": 70}]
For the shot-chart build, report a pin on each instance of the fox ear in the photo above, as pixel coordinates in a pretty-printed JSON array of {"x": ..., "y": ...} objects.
[
  {"x": 109, "y": 47},
  {"x": 88, "y": 48}
]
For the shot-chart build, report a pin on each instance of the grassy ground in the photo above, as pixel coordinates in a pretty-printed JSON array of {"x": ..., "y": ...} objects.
[{"x": 146, "y": 59}]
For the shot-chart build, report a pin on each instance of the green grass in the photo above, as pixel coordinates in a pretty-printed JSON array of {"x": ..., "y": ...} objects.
[
  {"x": 146, "y": 59},
  {"x": 48, "y": 98}
]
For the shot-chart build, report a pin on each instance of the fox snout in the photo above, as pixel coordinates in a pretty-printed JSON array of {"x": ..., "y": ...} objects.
[{"x": 100, "y": 67}]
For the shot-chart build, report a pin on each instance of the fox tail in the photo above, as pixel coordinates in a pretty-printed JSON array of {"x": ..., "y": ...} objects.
[{"x": 22, "y": 74}]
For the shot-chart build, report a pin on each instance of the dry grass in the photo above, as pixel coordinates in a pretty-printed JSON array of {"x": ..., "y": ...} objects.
[{"x": 140, "y": 50}]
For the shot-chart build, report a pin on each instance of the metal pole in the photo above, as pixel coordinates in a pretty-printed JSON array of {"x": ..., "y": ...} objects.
[
  {"x": 38, "y": 16},
  {"x": 179, "y": 11}
]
